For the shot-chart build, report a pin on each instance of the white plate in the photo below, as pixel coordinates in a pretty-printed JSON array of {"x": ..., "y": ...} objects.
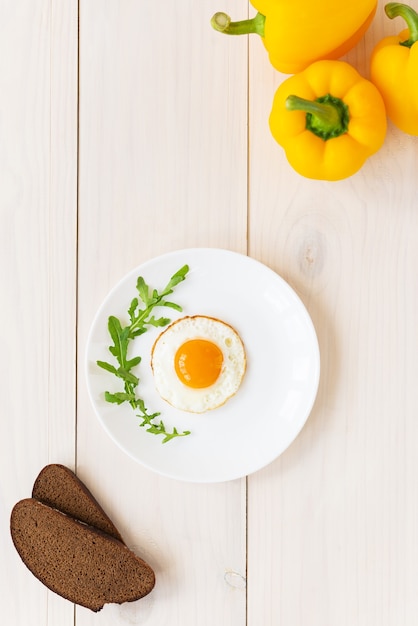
[{"x": 277, "y": 393}]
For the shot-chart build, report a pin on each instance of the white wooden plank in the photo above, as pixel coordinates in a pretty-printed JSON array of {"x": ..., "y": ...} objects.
[
  {"x": 63, "y": 228},
  {"x": 332, "y": 523},
  {"x": 38, "y": 129},
  {"x": 163, "y": 165}
]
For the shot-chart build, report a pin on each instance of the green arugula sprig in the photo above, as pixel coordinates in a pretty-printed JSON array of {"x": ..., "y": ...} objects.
[{"x": 141, "y": 317}]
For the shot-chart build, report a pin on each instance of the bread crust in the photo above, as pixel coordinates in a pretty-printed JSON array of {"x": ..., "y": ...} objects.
[{"x": 75, "y": 560}]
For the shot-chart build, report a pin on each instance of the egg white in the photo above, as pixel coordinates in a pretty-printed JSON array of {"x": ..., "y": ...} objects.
[{"x": 172, "y": 389}]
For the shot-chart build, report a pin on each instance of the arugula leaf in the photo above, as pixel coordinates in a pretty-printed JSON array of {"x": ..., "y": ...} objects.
[
  {"x": 171, "y": 305},
  {"x": 107, "y": 366},
  {"x": 132, "y": 309},
  {"x": 120, "y": 337},
  {"x": 170, "y": 436},
  {"x": 143, "y": 290},
  {"x": 133, "y": 362},
  {"x": 162, "y": 321},
  {"x": 127, "y": 376},
  {"x": 140, "y": 320},
  {"x": 119, "y": 397},
  {"x": 177, "y": 278},
  {"x": 160, "y": 429}
]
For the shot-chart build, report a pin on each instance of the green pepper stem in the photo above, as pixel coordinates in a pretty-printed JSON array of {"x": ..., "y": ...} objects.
[
  {"x": 223, "y": 24},
  {"x": 397, "y": 9},
  {"x": 327, "y": 116}
]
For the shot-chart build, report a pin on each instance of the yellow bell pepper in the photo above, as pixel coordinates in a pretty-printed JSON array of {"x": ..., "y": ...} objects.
[
  {"x": 329, "y": 120},
  {"x": 394, "y": 70},
  {"x": 298, "y": 32}
]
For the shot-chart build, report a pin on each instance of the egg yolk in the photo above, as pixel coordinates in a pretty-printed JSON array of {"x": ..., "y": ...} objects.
[{"x": 198, "y": 363}]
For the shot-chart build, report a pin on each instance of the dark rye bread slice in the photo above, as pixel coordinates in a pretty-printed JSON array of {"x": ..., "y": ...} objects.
[
  {"x": 76, "y": 561},
  {"x": 58, "y": 487}
]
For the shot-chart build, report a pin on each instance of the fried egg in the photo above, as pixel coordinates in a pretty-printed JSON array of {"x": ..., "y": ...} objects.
[{"x": 198, "y": 363}]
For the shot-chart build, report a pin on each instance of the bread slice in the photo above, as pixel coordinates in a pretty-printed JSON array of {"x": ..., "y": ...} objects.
[
  {"x": 58, "y": 487},
  {"x": 76, "y": 561}
]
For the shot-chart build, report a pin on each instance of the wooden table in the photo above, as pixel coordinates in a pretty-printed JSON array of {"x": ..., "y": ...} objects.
[{"x": 129, "y": 129}]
